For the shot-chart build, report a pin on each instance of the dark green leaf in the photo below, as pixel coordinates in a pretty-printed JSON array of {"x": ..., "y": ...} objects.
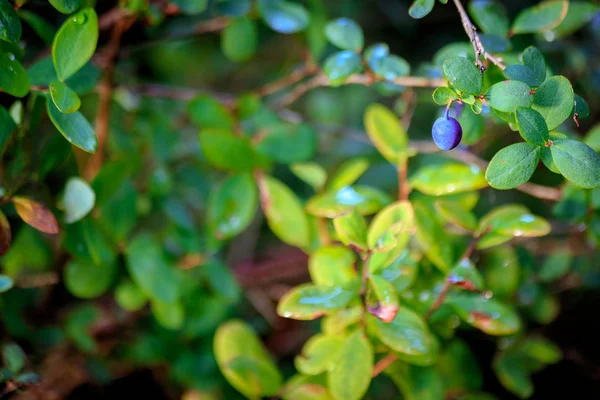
[
  {"x": 192, "y": 7},
  {"x": 340, "y": 66},
  {"x": 416, "y": 383},
  {"x": 240, "y": 39},
  {"x": 14, "y": 357},
  {"x": 463, "y": 75},
  {"x": 577, "y": 162},
  {"x": 488, "y": 315},
  {"x": 75, "y": 43},
  {"x": 432, "y": 238},
  {"x": 581, "y": 107},
  {"x": 345, "y": 34},
  {"x": 350, "y": 377},
  {"x": 501, "y": 271},
  {"x": 386, "y": 132},
  {"x": 64, "y": 98},
  {"x": 390, "y": 67},
  {"x": 10, "y": 25},
  {"x": 308, "y": 301},
  {"x": 351, "y": 229},
  {"x": 39, "y": 25},
  {"x": 541, "y": 18},
  {"x": 13, "y": 79},
  {"x": 42, "y": 73},
  {"x": 554, "y": 99},
  {"x": 7, "y": 127},
  {"x": 580, "y": 13},
  {"x": 87, "y": 280},
  {"x": 221, "y": 280},
  {"x": 66, "y": 6},
  {"x": 332, "y": 265},
  {"x": 472, "y": 123},
  {"x": 207, "y": 112},
  {"x": 534, "y": 59},
  {"x": 490, "y": 16},
  {"x": 282, "y": 210},
  {"x": 420, "y": 8},
  {"x": 459, "y": 368},
  {"x": 284, "y": 16},
  {"x": 288, "y": 143},
  {"x": 465, "y": 276},
  {"x": 74, "y": 127},
  {"x": 449, "y": 178},
  {"x": 78, "y": 199},
  {"x": 512, "y": 166},
  {"x": 227, "y": 151},
  {"x": 508, "y": 95},
  {"x": 522, "y": 73},
  {"x": 232, "y": 206},
  {"x": 532, "y": 126},
  {"x": 555, "y": 266}
]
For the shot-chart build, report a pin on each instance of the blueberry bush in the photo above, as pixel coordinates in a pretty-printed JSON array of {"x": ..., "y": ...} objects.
[{"x": 182, "y": 181}]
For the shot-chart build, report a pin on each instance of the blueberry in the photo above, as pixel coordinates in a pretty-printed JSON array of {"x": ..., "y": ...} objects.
[{"x": 446, "y": 133}]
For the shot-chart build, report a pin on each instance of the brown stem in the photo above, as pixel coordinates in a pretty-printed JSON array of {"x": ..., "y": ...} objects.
[
  {"x": 263, "y": 192},
  {"x": 296, "y": 76},
  {"x": 403, "y": 186},
  {"x": 105, "y": 94},
  {"x": 365, "y": 272},
  {"x": 383, "y": 364},
  {"x": 471, "y": 32}
]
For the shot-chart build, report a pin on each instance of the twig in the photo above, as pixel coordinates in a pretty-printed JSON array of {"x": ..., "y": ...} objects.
[
  {"x": 263, "y": 192},
  {"x": 358, "y": 79},
  {"x": 105, "y": 93},
  {"x": 403, "y": 186},
  {"x": 38, "y": 280},
  {"x": 365, "y": 272},
  {"x": 471, "y": 32},
  {"x": 383, "y": 364},
  {"x": 296, "y": 76}
]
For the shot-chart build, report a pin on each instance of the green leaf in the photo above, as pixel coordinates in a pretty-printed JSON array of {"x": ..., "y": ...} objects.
[
  {"x": 86, "y": 240},
  {"x": 351, "y": 229},
  {"x": 288, "y": 143},
  {"x": 78, "y": 199},
  {"x": 349, "y": 379},
  {"x": 490, "y": 16},
  {"x": 580, "y": 13},
  {"x": 340, "y": 66},
  {"x": 284, "y": 16},
  {"x": 487, "y": 315},
  {"x": 36, "y": 215},
  {"x": 42, "y": 73},
  {"x": 129, "y": 296},
  {"x": 512, "y": 166},
  {"x": 6, "y": 283},
  {"x": 391, "y": 228},
  {"x": 348, "y": 173},
  {"x": 459, "y": 368},
  {"x": 540, "y": 18},
  {"x": 149, "y": 269},
  {"x": 555, "y": 266},
  {"x": 308, "y": 301},
  {"x": 580, "y": 107},
  {"x": 534, "y": 59},
  {"x": 402, "y": 272},
  {"x": 10, "y": 25},
  {"x": 463, "y": 75},
  {"x": 43, "y": 29},
  {"x": 444, "y": 95},
  {"x": 432, "y": 238},
  {"x": 239, "y": 39},
  {"x": 87, "y": 280},
  {"x": 192, "y": 7},
  {"x": 513, "y": 220},
  {"x": 168, "y": 315},
  {"x": 386, "y": 132},
  {"x": 386, "y": 307},
  {"x": 227, "y": 151},
  {"x": 64, "y": 98},
  {"x": 315, "y": 33},
  {"x": 420, "y": 8},
  {"x": 14, "y": 357},
  {"x": 221, "y": 280},
  {"x": 390, "y": 67},
  {"x": 465, "y": 276},
  {"x": 232, "y": 206},
  {"x": 472, "y": 124},
  {"x": 332, "y": 265},
  {"x": 345, "y": 34},
  {"x": 416, "y": 383},
  {"x": 592, "y": 138},
  {"x": 508, "y": 95},
  {"x": 311, "y": 173},
  {"x": 244, "y": 361},
  {"x": 521, "y": 73},
  {"x": 501, "y": 271},
  {"x": 554, "y": 99},
  {"x": 455, "y": 213},
  {"x": 577, "y": 162},
  {"x": 532, "y": 126},
  {"x": 13, "y": 79},
  {"x": 74, "y": 127},
  {"x": 330, "y": 204},
  {"x": 74, "y": 43},
  {"x": 319, "y": 354},
  {"x": 66, "y": 6},
  {"x": 449, "y": 178},
  {"x": 282, "y": 210},
  {"x": 7, "y": 127},
  {"x": 407, "y": 334},
  {"x": 206, "y": 112}
]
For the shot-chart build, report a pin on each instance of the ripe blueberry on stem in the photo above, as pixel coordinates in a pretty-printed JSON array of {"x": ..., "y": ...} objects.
[{"x": 446, "y": 132}]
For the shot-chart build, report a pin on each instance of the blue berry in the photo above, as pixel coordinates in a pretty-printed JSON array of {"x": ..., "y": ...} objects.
[{"x": 446, "y": 133}]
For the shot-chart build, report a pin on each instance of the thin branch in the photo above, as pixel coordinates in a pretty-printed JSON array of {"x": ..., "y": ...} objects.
[
  {"x": 296, "y": 76},
  {"x": 383, "y": 364},
  {"x": 471, "y": 32},
  {"x": 403, "y": 186}
]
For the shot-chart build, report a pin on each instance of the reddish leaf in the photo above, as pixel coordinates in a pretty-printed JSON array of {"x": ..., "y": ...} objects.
[
  {"x": 36, "y": 215},
  {"x": 5, "y": 235}
]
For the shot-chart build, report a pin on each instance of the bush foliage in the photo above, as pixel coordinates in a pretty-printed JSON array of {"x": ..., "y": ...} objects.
[{"x": 164, "y": 202}]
